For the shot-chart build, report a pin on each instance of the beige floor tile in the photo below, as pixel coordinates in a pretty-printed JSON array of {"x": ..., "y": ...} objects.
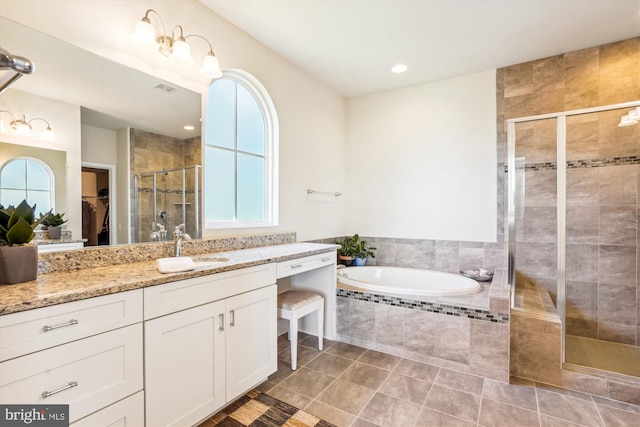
[
  {"x": 329, "y": 364},
  {"x": 365, "y": 375},
  {"x": 498, "y": 414},
  {"x": 513, "y": 394},
  {"x": 379, "y": 359},
  {"x": 430, "y": 418},
  {"x": 406, "y": 388},
  {"x": 454, "y": 402},
  {"x": 388, "y": 411},
  {"x": 419, "y": 370},
  {"x": 305, "y": 355},
  {"x": 568, "y": 408},
  {"x": 346, "y": 350},
  {"x": 460, "y": 381},
  {"x": 329, "y": 413},
  {"x": 346, "y": 396},
  {"x": 307, "y": 382}
]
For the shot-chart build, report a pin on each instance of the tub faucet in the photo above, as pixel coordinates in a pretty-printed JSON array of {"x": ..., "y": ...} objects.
[{"x": 178, "y": 236}]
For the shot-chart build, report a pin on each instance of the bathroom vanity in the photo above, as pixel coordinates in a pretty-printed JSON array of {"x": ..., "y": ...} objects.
[{"x": 116, "y": 340}]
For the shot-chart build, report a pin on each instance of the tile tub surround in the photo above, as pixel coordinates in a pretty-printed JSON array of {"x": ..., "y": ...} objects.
[
  {"x": 472, "y": 340},
  {"x": 353, "y": 386},
  {"x": 72, "y": 285}
]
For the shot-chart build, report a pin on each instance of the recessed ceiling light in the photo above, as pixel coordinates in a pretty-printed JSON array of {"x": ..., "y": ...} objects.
[
  {"x": 399, "y": 68},
  {"x": 189, "y": 127}
]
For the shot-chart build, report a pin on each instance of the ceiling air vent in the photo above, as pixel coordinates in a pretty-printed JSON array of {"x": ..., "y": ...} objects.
[{"x": 166, "y": 88}]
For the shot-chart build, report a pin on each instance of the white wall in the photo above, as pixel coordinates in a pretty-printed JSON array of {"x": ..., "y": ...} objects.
[
  {"x": 422, "y": 161},
  {"x": 312, "y": 116},
  {"x": 65, "y": 123},
  {"x": 99, "y": 145}
]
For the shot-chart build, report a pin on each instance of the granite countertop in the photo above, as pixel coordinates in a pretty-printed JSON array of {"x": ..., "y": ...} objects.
[
  {"x": 60, "y": 287},
  {"x": 55, "y": 241}
]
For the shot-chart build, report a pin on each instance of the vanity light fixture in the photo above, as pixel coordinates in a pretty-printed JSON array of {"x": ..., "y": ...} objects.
[
  {"x": 174, "y": 47},
  {"x": 23, "y": 127},
  {"x": 631, "y": 118}
]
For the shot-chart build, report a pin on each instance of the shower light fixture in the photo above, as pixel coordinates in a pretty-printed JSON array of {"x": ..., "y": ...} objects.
[
  {"x": 631, "y": 118},
  {"x": 23, "y": 127},
  {"x": 174, "y": 47}
]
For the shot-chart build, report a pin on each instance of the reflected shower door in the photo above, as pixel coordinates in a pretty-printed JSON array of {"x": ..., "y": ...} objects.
[{"x": 535, "y": 215}]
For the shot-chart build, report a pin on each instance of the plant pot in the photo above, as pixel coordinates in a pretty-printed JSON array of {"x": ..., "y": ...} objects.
[
  {"x": 346, "y": 260},
  {"x": 54, "y": 231},
  {"x": 18, "y": 264},
  {"x": 359, "y": 261}
]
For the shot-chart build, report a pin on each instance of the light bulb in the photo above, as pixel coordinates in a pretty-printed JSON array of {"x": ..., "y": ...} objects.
[
  {"x": 181, "y": 53},
  {"x": 144, "y": 36},
  {"x": 48, "y": 134},
  {"x": 21, "y": 127},
  {"x": 211, "y": 67}
]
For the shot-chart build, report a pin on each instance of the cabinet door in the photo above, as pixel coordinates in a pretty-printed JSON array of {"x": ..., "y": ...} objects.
[
  {"x": 251, "y": 339},
  {"x": 184, "y": 363}
]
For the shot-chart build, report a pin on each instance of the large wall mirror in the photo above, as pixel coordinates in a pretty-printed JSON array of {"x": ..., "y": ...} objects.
[{"x": 131, "y": 141}]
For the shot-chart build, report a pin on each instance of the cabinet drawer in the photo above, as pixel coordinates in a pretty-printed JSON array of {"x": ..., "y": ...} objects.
[
  {"x": 29, "y": 331},
  {"x": 127, "y": 412},
  {"x": 300, "y": 265},
  {"x": 87, "y": 374},
  {"x": 176, "y": 296}
]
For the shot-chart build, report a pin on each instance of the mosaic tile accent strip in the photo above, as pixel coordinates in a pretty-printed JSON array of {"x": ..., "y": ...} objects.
[
  {"x": 449, "y": 310},
  {"x": 578, "y": 164}
]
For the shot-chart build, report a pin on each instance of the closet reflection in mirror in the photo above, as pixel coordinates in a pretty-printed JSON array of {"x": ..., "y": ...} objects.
[{"x": 99, "y": 108}]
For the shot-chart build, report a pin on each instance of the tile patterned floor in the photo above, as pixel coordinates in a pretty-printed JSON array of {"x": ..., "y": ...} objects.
[{"x": 352, "y": 386}]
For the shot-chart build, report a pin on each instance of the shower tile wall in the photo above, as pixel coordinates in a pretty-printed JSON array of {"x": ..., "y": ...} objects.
[
  {"x": 602, "y": 255},
  {"x": 153, "y": 152}
]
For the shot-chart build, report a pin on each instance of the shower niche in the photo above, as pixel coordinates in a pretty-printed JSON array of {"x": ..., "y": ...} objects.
[{"x": 163, "y": 200}]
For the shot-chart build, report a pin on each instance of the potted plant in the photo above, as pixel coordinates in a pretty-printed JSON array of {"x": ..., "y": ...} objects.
[
  {"x": 363, "y": 251},
  {"x": 348, "y": 248},
  {"x": 53, "y": 222},
  {"x": 18, "y": 261}
]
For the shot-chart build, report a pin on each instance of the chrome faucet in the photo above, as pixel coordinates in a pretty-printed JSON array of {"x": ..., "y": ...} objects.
[{"x": 178, "y": 236}]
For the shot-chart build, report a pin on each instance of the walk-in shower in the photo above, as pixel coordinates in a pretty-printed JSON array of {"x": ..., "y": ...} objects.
[
  {"x": 573, "y": 216},
  {"x": 163, "y": 200}
]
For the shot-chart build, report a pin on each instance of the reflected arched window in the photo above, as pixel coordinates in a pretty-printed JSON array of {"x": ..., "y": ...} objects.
[
  {"x": 27, "y": 178},
  {"x": 241, "y": 148}
]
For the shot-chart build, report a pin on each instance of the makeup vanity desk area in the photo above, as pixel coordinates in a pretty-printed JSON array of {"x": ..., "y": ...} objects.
[{"x": 110, "y": 341}]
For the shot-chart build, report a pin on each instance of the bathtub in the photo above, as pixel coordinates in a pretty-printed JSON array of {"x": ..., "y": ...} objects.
[{"x": 407, "y": 281}]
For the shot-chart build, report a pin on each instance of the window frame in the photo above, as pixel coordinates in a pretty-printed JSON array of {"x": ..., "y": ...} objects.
[
  {"x": 259, "y": 92},
  {"x": 52, "y": 196}
]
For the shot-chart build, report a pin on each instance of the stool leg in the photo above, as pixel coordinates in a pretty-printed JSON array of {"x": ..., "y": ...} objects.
[
  {"x": 293, "y": 338},
  {"x": 320, "y": 325}
]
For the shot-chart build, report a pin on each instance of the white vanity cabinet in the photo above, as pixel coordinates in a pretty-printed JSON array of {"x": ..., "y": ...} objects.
[
  {"x": 87, "y": 354},
  {"x": 207, "y": 341}
]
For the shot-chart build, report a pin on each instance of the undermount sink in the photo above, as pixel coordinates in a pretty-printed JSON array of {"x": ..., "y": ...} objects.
[{"x": 210, "y": 258}]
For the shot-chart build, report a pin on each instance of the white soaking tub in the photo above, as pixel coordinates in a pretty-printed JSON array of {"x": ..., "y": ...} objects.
[{"x": 407, "y": 281}]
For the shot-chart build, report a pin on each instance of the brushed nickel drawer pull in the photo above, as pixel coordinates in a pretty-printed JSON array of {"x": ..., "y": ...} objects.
[
  {"x": 293, "y": 267},
  {"x": 232, "y": 313},
  {"x": 62, "y": 325},
  {"x": 72, "y": 384},
  {"x": 221, "y": 327}
]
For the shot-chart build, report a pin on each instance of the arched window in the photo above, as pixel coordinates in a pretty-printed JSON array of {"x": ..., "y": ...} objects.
[
  {"x": 240, "y": 154},
  {"x": 27, "y": 178}
]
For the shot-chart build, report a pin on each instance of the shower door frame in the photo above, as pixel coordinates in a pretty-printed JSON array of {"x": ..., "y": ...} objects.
[{"x": 561, "y": 195}]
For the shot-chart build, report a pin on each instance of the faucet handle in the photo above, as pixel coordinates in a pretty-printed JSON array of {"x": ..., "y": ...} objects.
[{"x": 179, "y": 229}]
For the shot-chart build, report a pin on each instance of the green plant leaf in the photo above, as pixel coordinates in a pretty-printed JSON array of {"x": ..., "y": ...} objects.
[
  {"x": 4, "y": 218},
  {"x": 20, "y": 233},
  {"x": 23, "y": 211}
]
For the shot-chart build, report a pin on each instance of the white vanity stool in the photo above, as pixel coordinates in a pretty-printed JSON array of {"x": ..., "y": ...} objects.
[{"x": 294, "y": 304}]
